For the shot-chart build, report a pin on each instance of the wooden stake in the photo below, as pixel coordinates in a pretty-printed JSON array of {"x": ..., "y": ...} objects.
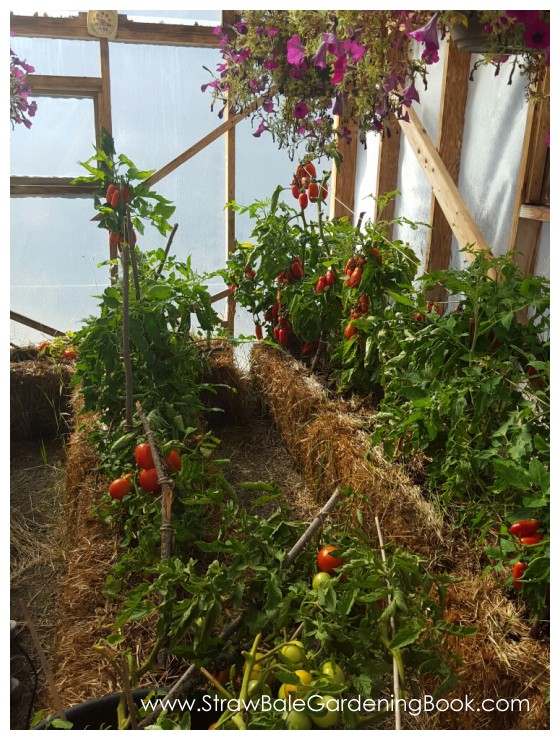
[
  {"x": 129, "y": 240},
  {"x": 126, "y": 342},
  {"x": 167, "y": 531},
  {"x": 396, "y": 683}
]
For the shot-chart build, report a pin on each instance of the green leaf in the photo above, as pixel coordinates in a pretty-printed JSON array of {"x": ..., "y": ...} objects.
[
  {"x": 407, "y": 635},
  {"x": 159, "y": 293}
]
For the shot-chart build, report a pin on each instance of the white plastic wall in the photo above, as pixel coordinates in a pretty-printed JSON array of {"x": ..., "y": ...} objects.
[{"x": 495, "y": 119}]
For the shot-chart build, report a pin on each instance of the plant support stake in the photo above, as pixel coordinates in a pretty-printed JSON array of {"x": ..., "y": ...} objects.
[
  {"x": 126, "y": 342},
  {"x": 167, "y": 531},
  {"x": 396, "y": 684},
  {"x": 130, "y": 242}
]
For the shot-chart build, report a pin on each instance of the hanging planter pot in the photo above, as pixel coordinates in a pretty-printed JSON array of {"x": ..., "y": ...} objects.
[
  {"x": 472, "y": 38},
  {"x": 101, "y": 713}
]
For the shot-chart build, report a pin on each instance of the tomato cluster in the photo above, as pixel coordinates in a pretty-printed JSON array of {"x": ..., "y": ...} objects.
[
  {"x": 148, "y": 477},
  {"x": 305, "y": 187},
  {"x": 327, "y": 564}
]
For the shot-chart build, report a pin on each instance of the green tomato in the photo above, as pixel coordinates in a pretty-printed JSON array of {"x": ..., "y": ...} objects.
[
  {"x": 330, "y": 717},
  {"x": 298, "y": 721},
  {"x": 293, "y": 652},
  {"x": 319, "y": 579},
  {"x": 258, "y": 690},
  {"x": 333, "y": 670}
]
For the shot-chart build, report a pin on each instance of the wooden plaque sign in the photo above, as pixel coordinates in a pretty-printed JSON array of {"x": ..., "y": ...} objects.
[{"x": 102, "y": 23}]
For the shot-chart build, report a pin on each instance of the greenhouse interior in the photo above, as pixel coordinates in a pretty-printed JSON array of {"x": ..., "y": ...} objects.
[{"x": 279, "y": 370}]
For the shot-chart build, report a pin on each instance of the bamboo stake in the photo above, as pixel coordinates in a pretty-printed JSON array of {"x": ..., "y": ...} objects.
[
  {"x": 167, "y": 531},
  {"x": 126, "y": 341},
  {"x": 167, "y": 248},
  {"x": 396, "y": 683},
  {"x": 127, "y": 691},
  {"x": 44, "y": 662},
  {"x": 190, "y": 676}
]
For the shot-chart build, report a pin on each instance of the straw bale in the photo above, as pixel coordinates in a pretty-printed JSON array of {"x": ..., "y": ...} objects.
[
  {"x": 230, "y": 394},
  {"x": 39, "y": 398},
  {"x": 331, "y": 444},
  {"x": 500, "y": 661}
]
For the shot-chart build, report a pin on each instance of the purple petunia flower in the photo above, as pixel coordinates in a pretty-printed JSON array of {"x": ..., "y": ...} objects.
[
  {"x": 268, "y": 105},
  {"x": 409, "y": 94},
  {"x": 319, "y": 59},
  {"x": 272, "y": 32},
  {"x": 301, "y": 110},
  {"x": 339, "y": 70},
  {"x": 270, "y": 64},
  {"x": 383, "y": 108},
  {"x": 217, "y": 30},
  {"x": 262, "y": 127},
  {"x": 537, "y": 31},
  {"x": 296, "y": 52},
  {"x": 353, "y": 49},
  {"x": 241, "y": 28},
  {"x": 338, "y": 108},
  {"x": 428, "y": 35}
]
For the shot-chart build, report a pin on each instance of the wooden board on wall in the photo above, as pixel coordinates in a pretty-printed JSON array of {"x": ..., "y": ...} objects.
[{"x": 343, "y": 181}]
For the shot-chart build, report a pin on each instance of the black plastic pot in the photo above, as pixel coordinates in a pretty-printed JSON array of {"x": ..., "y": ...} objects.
[
  {"x": 472, "y": 38},
  {"x": 101, "y": 714}
]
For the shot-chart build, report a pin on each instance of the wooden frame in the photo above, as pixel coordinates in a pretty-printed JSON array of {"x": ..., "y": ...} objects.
[
  {"x": 343, "y": 181},
  {"x": 529, "y": 214}
]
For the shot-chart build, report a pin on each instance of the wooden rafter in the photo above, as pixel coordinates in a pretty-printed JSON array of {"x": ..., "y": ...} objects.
[
  {"x": 59, "y": 86},
  {"x": 49, "y": 187},
  {"x": 449, "y": 143},
  {"x": 344, "y": 180},
  {"x": 26, "y": 321},
  {"x": 129, "y": 31},
  {"x": 462, "y": 223}
]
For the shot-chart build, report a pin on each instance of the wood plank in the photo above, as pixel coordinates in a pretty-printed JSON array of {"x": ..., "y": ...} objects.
[
  {"x": 49, "y": 187},
  {"x": 527, "y": 245},
  {"x": 538, "y": 152},
  {"x": 230, "y": 213},
  {"x": 59, "y": 86},
  {"x": 223, "y": 128},
  {"x": 449, "y": 144},
  {"x": 219, "y": 296},
  {"x": 388, "y": 170},
  {"x": 129, "y": 31},
  {"x": 21, "y": 319},
  {"x": 343, "y": 182},
  {"x": 535, "y": 213},
  {"x": 463, "y": 225},
  {"x": 104, "y": 115}
]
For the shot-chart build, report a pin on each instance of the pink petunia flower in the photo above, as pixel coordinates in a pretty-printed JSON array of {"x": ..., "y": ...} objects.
[
  {"x": 301, "y": 110},
  {"x": 339, "y": 70}
]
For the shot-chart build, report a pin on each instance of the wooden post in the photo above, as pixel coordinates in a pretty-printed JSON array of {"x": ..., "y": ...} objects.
[
  {"x": 230, "y": 213},
  {"x": 388, "y": 170},
  {"x": 344, "y": 181},
  {"x": 449, "y": 143}
]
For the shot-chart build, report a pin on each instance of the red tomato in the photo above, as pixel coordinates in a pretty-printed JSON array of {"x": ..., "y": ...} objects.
[
  {"x": 120, "y": 487},
  {"x": 309, "y": 348},
  {"x": 375, "y": 253},
  {"x": 524, "y": 528},
  {"x": 355, "y": 314},
  {"x": 313, "y": 192},
  {"x": 324, "y": 192},
  {"x": 126, "y": 193},
  {"x": 69, "y": 354},
  {"x": 518, "y": 569},
  {"x": 283, "y": 337},
  {"x": 350, "y": 331},
  {"x": 534, "y": 540},
  {"x": 148, "y": 480},
  {"x": 275, "y": 311},
  {"x": 364, "y": 303},
  {"x": 114, "y": 238},
  {"x": 327, "y": 562},
  {"x": 321, "y": 284},
  {"x": 276, "y": 332},
  {"x": 330, "y": 276},
  {"x": 173, "y": 460},
  {"x": 258, "y": 331},
  {"x": 295, "y": 191},
  {"x": 303, "y": 201},
  {"x": 355, "y": 277},
  {"x": 297, "y": 269},
  {"x": 115, "y": 198},
  {"x": 109, "y": 194},
  {"x": 43, "y": 346},
  {"x": 143, "y": 456},
  {"x": 350, "y": 265}
]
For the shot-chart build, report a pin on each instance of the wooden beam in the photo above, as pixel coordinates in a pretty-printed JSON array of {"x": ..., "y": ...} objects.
[
  {"x": 388, "y": 170},
  {"x": 50, "y": 187},
  {"x": 223, "y": 128},
  {"x": 129, "y": 31},
  {"x": 526, "y": 230},
  {"x": 58, "y": 86},
  {"x": 535, "y": 213},
  {"x": 462, "y": 223},
  {"x": 104, "y": 115},
  {"x": 230, "y": 214},
  {"x": 14, "y": 316},
  {"x": 449, "y": 143},
  {"x": 218, "y": 297},
  {"x": 344, "y": 180}
]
